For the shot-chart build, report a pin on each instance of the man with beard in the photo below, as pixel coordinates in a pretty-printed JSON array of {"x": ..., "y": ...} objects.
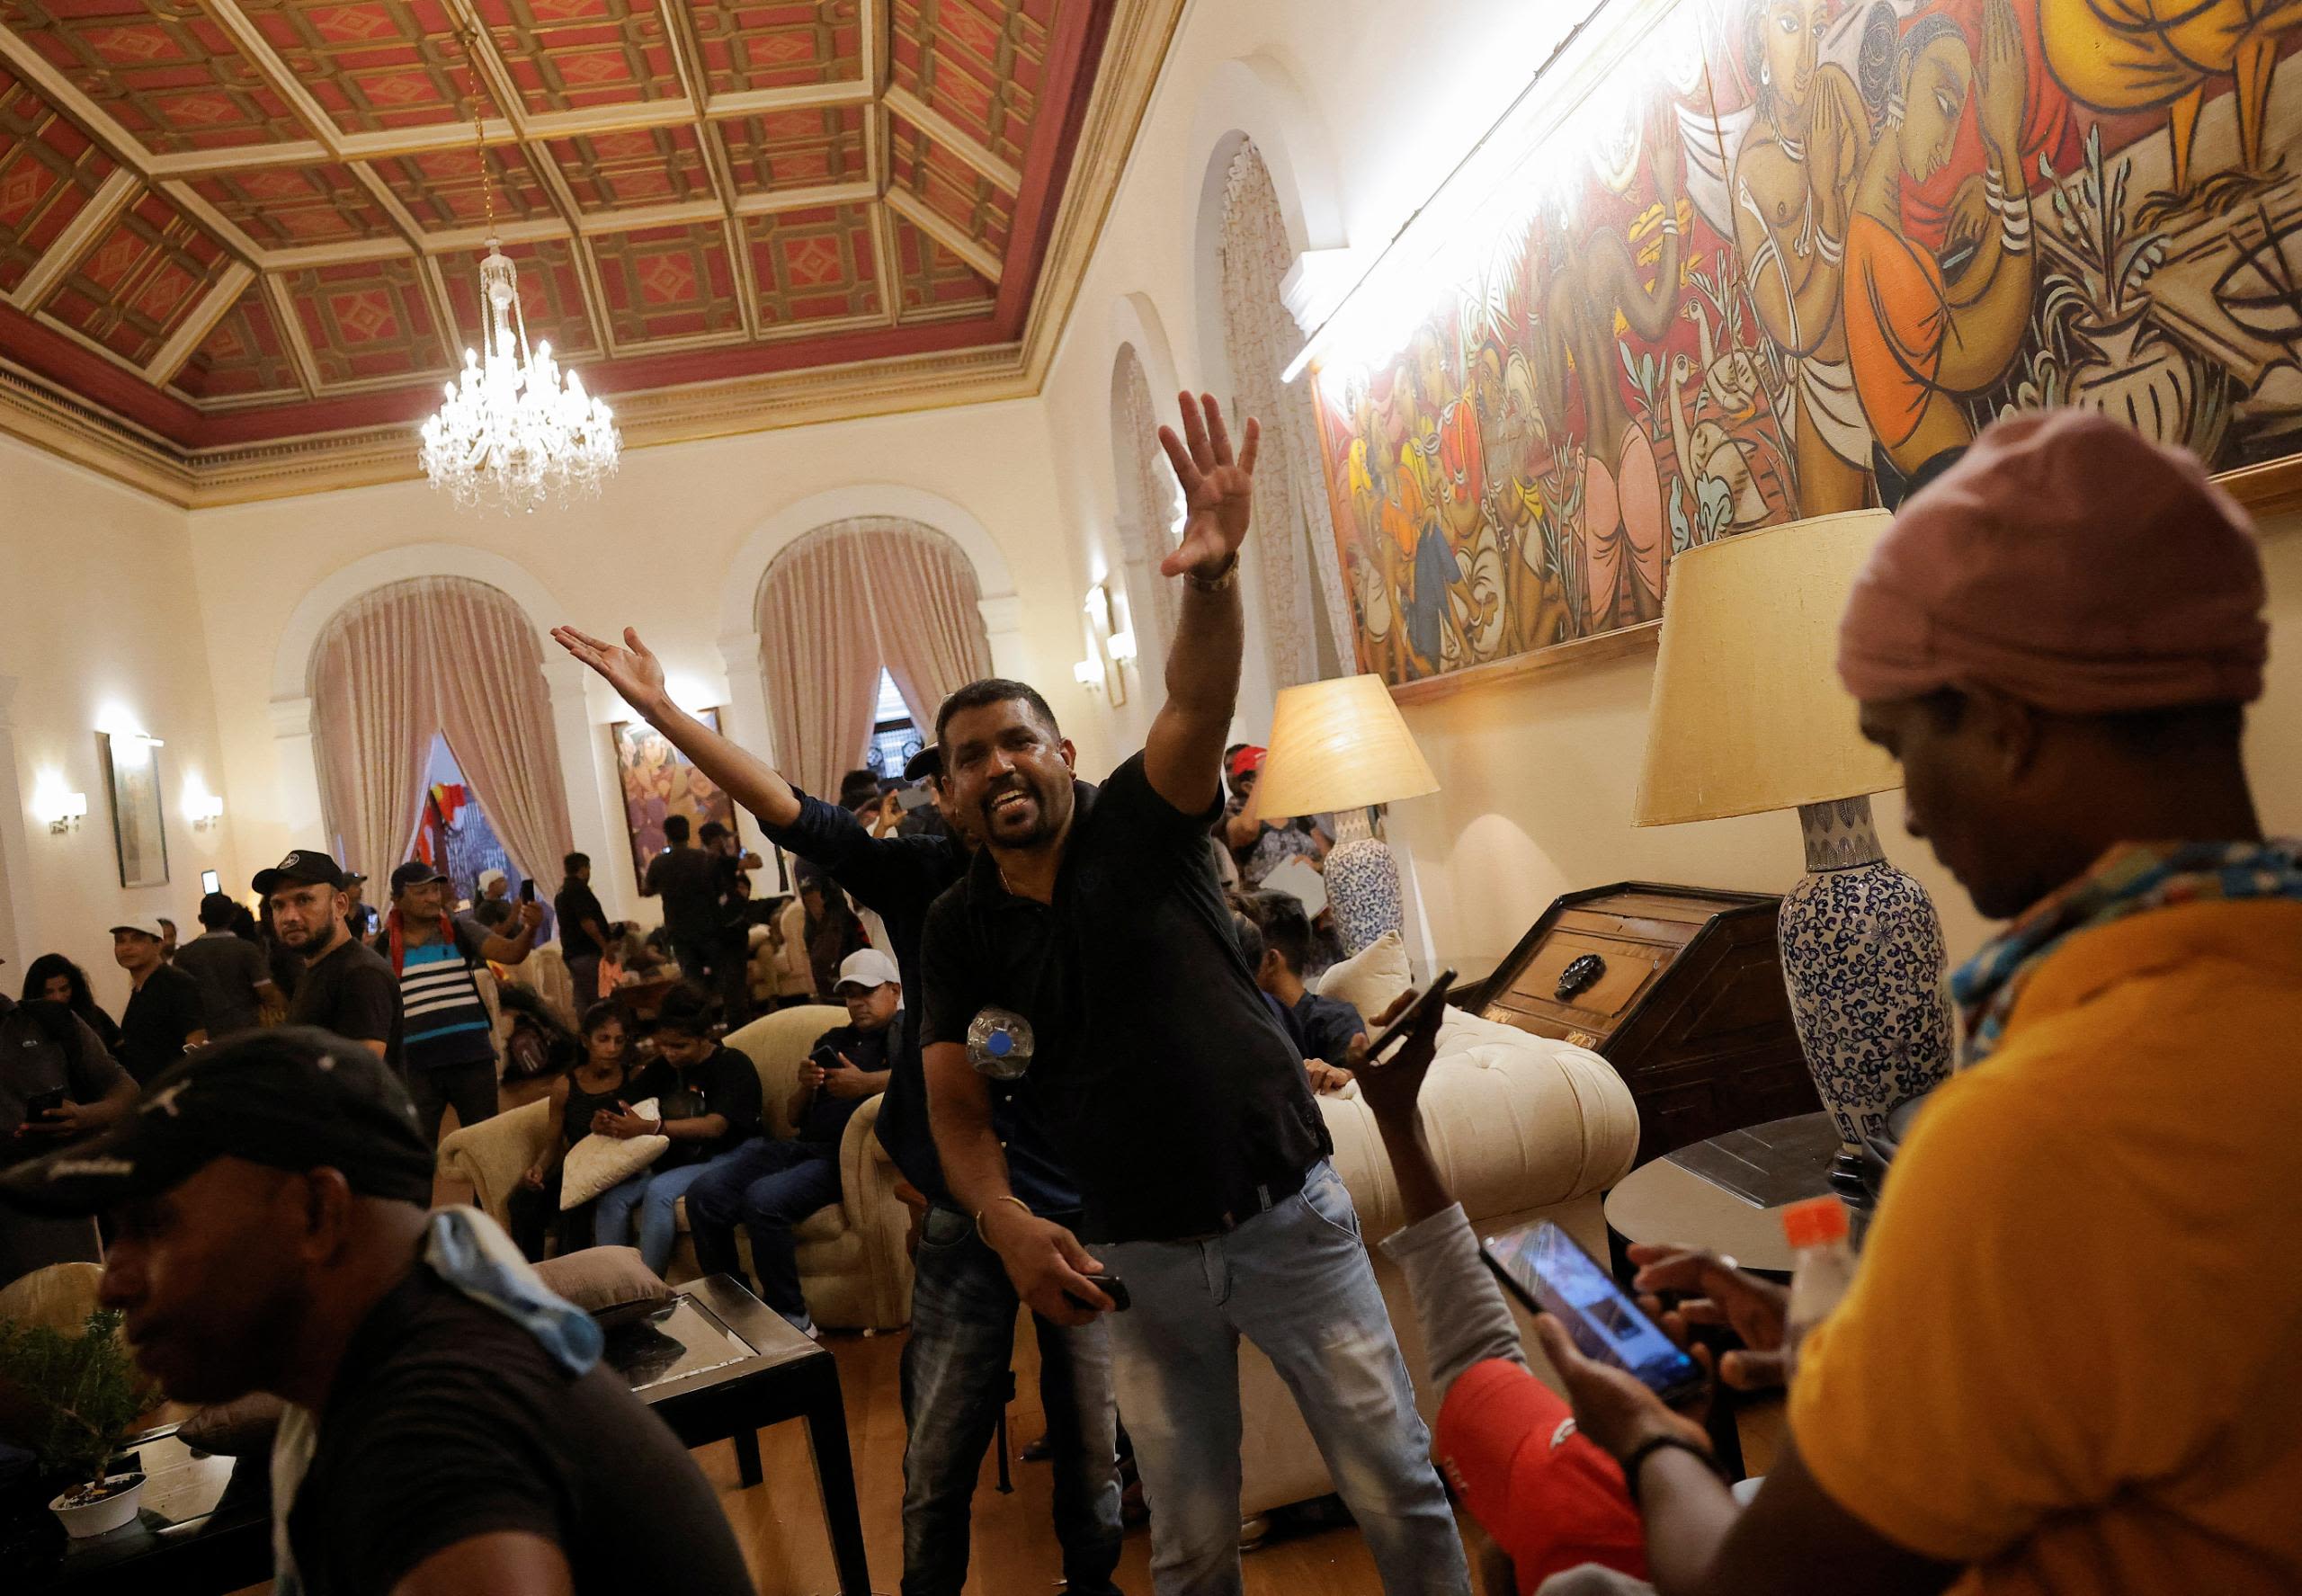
[
  {"x": 345, "y": 987},
  {"x": 450, "y": 1427},
  {"x": 1089, "y": 933},
  {"x": 955, "y": 1362}
]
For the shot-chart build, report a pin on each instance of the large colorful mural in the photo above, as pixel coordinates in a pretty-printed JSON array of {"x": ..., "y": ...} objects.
[{"x": 1789, "y": 257}]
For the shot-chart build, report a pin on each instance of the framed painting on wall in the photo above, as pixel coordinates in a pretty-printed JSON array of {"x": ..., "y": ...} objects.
[
  {"x": 659, "y": 781},
  {"x": 1742, "y": 262},
  {"x": 138, "y": 821}
]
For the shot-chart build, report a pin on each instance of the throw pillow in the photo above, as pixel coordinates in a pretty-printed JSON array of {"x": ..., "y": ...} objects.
[
  {"x": 597, "y": 1163},
  {"x": 1371, "y": 979},
  {"x": 598, "y": 1280}
]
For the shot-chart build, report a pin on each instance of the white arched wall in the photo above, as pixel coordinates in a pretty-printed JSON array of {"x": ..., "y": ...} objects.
[
  {"x": 595, "y": 797},
  {"x": 748, "y": 721},
  {"x": 1135, "y": 322}
]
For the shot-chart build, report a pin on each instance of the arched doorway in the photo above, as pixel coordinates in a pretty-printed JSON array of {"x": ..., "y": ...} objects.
[
  {"x": 846, "y": 605},
  {"x": 1150, "y": 507},
  {"x": 411, "y": 668}
]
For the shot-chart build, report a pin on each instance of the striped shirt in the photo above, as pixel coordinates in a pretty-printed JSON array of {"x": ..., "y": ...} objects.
[{"x": 446, "y": 1022}]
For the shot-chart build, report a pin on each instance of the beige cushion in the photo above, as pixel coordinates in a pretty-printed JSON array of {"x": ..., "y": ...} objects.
[
  {"x": 599, "y": 1278},
  {"x": 1371, "y": 979},
  {"x": 597, "y": 1161},
  {"x": 59, "y": 1296}
]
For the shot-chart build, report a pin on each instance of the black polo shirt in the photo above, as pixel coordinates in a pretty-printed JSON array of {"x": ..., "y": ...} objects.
[
  {"x": 898, "y": 879},
  {"x": 160, "y": 1014},
  {"x": 1175, "y": 1096}
]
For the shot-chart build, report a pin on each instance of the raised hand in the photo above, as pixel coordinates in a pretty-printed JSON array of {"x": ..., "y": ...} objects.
[
  {"x": 2002, "y": 79},
  {"x": 1218, "y": 491},
  {"x": 635, "y": 673}
]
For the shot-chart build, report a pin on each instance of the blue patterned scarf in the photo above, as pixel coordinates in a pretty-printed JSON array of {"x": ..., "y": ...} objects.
[{"x": 2126, "y": 880}]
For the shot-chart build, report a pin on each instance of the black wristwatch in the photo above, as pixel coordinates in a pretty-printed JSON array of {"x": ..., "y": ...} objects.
[{"x": 1653, "y": 1444}]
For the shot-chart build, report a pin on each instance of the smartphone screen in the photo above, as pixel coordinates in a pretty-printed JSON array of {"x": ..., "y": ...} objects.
[
  {"x": 210, "y": 882},
  {"x": 914, "y": 797},
  {"x": 527, "y": 891},
  {"x": 1411, "y": 1017},
  {"x": 1550, "y": 1272}
]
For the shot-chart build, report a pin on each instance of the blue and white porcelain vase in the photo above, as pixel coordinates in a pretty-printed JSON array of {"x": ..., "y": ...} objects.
[
  {"x": 1862, "y": 957},
  {"x": 1363, "y": 882}
]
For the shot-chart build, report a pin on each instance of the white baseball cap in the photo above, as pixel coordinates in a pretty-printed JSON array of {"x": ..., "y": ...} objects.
[
  {"x": 143, "y": 924},
  {"x": 869, "y": 969},
  {"x": 489, "y": 879}
]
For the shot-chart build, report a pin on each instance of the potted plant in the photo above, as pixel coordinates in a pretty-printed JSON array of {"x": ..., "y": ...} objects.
[
  {"x": 84, "y": 1394},
  {"x": 2133, "y": 373}
]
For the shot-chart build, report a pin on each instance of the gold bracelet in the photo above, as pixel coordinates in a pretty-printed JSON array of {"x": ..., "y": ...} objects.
[
  {"x": 980, "y": 1212},
  {"x": 1220, "y": 582}
]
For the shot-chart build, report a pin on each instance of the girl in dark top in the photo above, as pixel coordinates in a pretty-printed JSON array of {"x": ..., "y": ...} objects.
[
  {"x": 598, "y": 1083},
  {"x": 58, "y": 979}
]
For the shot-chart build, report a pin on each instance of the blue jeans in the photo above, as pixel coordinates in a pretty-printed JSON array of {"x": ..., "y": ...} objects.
[
  {"x": 955, "y": 1372},
  {"x": 654, "y": 1192},
  {"x": 1296, "y": 1281},
  {"x": 767, "y": 1187}
]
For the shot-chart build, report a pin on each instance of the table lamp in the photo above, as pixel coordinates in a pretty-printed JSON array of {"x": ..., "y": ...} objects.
[
  {"x": 1748, "y": 715},
  {"x": 1341, "y": 747}
]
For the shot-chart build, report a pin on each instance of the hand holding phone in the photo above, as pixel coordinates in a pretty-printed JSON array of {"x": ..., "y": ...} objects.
[
  {"x": 1433, "y": 998},
  {"x": 528, "y": 890},
  {"x": 1548, "y": 1270}
]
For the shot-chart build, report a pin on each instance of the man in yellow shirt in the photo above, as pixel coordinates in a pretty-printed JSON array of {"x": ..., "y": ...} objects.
[{"x": 2069, "y": 1359}]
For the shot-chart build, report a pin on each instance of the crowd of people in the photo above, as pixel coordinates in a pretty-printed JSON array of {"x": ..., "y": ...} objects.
[{"x": 1096, "y": 1037}]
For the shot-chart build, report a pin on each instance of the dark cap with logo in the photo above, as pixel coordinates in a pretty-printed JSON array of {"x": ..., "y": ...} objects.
[
  {"x": 414, "y": 873},
  {"x": 293, "y": 1097},
  {"x": 927, "y": 761},
  {"x": 305, "y": 867}
]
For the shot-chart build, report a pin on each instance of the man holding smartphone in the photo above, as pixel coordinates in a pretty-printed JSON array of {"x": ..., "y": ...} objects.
[{"x": 1181, "y": 1104}]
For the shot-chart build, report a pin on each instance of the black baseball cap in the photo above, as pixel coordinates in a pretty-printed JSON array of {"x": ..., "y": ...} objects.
[
  {"x": 303, "y": 867},
  {"x": 293, "y": 1097},
  {"x": 414, "y": 873},
  {"x": 927, "y": 761}
]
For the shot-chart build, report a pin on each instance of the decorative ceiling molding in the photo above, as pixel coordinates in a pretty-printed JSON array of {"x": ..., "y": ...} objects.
[{"x": 870, "y": 288}]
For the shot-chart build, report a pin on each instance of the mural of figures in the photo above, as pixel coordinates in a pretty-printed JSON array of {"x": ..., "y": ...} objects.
[{"x": 1796, "y": 255}]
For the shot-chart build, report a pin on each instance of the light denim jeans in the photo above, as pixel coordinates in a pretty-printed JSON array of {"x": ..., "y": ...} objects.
[
  {"x": 655, "y": 1193},
  {"x": 1296, "y": 1280}
]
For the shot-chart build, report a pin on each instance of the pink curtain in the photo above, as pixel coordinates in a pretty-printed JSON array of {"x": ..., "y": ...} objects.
[
  {"x": 436, "y": 655},
  {"x": 819, "y": 655},
  {"x": 371, "y": 726},
  {"x": 496, "y": 712},
  {"x": 839, "y": 605}
]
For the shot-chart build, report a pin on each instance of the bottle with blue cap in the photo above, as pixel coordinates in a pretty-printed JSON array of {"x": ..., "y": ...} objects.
[{"x": 999, "y": 1044}]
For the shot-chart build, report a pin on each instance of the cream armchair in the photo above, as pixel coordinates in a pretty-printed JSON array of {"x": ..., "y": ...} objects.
[
  {"x": 779, "y": 957},
  {"x": 1522, "y": 1128},
  {"x": 853, "y": 1266}
]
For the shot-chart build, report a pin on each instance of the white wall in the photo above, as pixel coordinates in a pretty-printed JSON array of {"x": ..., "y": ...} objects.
[
  {"x": 674, "y": 547},
  {"x": 103, "y": 631}
]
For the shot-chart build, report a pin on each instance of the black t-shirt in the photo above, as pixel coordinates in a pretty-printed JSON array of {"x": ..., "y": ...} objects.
[
  {"x": 353, "y": 993},
  {"x": 447, "y": 1421},
  {"x": 1174, "y": 1093},
  {"x": 160, "y": 1014},
  {"x": 1327, "y": 1025},
  {"x": 898, "y": 879},
  {"x": 229, "y": 969},
  {"x": 44, "y": 1046},
  {"x": 688, "y": 881},
  {"x": 722, "y": 1081},
  {"x": 826, "y": 1120},
  {"x": 576, "y": 902}
]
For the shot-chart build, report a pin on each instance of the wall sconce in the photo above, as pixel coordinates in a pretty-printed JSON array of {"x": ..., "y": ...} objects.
[
  {"x": 1120, "y": 646},
  {"x": 62, "y": 808},
  {"x": 203, "y": 810},
  {"x": 1088, "y": 674}
]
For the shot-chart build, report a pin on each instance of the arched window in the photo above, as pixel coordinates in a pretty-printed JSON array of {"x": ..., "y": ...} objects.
[
  {"x": 846, "y": 603},
  {"x": 435, "y": 658},
  {"x": 1150, "y": 507},
  {"x": 1304, "y": 611}
]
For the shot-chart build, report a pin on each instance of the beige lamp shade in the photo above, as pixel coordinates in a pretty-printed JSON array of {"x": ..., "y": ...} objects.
[
  {"x": 1339, "y": 745},
  {"x": 1748, "y": 713}
]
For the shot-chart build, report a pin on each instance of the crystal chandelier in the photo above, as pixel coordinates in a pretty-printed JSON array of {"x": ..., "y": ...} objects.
[{"x": 513, "y": 432}]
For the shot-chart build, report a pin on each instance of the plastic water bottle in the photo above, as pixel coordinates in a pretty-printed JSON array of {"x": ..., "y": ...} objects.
[
  {"x": 999, "y": 1044},
  {"x": 1816, "y": 1230}
]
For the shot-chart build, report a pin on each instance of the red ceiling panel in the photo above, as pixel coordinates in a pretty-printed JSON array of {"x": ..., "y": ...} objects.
[
  {"x": 245, "y": 358},
  {"x": 981, "y": 64},
  {"x": 452, "y": 188},
  {"x": 796, "y": 150},
  {"x": 934, "y": 280},
  {"x": 783, "y": 44},
  {"x": 668, "y": 283},
  {"x": 814, "y": 265},
  {"x": 47, "y": 170},
  {"x": 565, "y": 55},
  {"x": 643, "y": 166},
  {"x": 551, "y": 298},
  {"x": 281, "y": 206},
  {"x": 166, "y": 72},
  {"x": 371, "y": 65},
  {"x": 137, "y": 280},
  {"x": 368, "y": 321}
]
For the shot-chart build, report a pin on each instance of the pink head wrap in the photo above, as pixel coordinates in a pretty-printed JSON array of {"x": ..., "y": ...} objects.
[{"x": 2067, "y": 562}]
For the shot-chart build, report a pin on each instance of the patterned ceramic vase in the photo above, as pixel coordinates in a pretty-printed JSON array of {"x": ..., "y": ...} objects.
[
  {"x": 1862, "y": 957},
  {"x": 1363, "y": 882}
]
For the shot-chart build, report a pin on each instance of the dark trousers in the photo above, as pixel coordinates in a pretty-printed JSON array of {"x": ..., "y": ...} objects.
[
  {"x": 583, "y": 971},
  {"x": 533, "y": 1216},
  {"x": 767, "y": 1187},
  {"x": 471, "y": 1087},
  {"x": 955, "y": 1379}
]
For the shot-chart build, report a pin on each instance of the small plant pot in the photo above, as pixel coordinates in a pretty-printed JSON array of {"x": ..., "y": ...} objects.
[{"x": 123, "y": 1496}]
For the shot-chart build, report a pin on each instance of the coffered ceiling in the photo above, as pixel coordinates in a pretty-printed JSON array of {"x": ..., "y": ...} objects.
[{"x": 239, "y": 239}]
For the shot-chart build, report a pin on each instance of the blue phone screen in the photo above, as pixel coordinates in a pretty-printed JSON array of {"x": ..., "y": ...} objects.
[{"x": 1546, "y": 1262}]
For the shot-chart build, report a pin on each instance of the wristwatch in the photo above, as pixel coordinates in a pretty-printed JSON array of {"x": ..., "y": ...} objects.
[
  {"x": 1639, "y": 1454},
  {"x": 1220, "y": 582}
]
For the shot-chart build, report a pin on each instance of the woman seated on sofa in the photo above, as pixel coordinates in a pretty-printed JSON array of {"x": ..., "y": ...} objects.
[
  {"x": 708, "y": 1102},
  {"x": 596, "y": 1085}
]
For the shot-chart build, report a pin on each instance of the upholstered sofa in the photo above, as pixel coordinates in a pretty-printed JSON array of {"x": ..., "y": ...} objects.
[
  {"x": 778, "y": 966},
  {"x": 852, "y": 1265}
]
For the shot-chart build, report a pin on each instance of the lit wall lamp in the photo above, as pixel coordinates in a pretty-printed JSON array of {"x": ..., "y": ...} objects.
[
  {"x": 203, "y": 809},
  {"x": 1120, "y": 646},
  {"x": 60, "y": 807}
]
